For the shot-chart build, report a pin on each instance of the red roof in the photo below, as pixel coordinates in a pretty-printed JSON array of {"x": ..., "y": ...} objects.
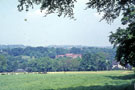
[{"x": 70, "y": 55}]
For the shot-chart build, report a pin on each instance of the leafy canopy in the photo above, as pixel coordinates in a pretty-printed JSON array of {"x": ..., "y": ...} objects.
[
  {"x": 49, "y": 6},
  {"x": 110, "y": 8}
]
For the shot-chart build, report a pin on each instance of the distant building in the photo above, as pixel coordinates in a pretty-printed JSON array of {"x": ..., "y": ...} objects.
[
  {"x": 116, "y": 65},
  {"x": 58, "y": 56},
  {"x": 70, "y": 55}
]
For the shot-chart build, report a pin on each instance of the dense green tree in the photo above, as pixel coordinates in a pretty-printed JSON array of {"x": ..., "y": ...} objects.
[
  {"x": 3, "y": 63},
  {"x": 102, "y": 62},
  {"x": 16, "y": 51},
  {"x": 75, "y": 50},
  {"x": 61, "y": 51},
  {"x": 94, "y": 62},
  {"x": 88, "y": 63},
  {"x": 32, "y": 66},
  {"x": 68, "y": 64},
  {"x": 14, "y": 63},
  {"x": 124, "y": 39}
]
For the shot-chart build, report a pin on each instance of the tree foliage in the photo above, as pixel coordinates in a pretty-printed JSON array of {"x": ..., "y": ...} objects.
[
  {"x": 49, "y": 6},
  {"x": 124, "y": 40},
  {"x": 41, "y": 59},
  {"x": 111, "y": 8},
  {"x": 3, "y": 63},
  {"x": 94, "y": 62}
]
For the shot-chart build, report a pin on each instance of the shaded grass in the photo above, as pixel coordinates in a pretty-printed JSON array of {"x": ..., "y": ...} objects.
[
  {"x": 108, "y": 80},
  {"x": 106, "y": 87},
  {"x": 126, "y": 77}
]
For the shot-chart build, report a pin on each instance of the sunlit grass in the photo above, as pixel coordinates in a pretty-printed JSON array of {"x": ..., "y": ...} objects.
[{"x": 67, "y": 81}]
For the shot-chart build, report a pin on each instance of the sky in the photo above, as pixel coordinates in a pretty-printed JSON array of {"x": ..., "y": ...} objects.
[{"x": 53, "y": 30}]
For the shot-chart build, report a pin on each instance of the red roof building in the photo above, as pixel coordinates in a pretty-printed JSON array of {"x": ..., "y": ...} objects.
[{"x": 70, "y": 55}]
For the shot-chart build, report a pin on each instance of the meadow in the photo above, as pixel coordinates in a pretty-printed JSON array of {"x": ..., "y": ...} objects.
[{"x": 102, "y": 80}]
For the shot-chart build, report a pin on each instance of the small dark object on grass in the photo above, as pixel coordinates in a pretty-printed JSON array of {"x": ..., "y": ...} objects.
[
  {"x": 42, "y": 72},
  {"x": 3, "y": 74}
]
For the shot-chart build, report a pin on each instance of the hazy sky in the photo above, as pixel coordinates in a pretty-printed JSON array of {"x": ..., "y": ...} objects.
[{"x": 52, "y": 30}]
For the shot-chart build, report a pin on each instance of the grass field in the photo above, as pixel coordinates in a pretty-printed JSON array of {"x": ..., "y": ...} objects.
[{"x": 104, "y": 80}]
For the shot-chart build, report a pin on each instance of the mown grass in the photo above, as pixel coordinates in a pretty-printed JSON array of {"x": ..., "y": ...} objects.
[{"x": 105, "y": 80}]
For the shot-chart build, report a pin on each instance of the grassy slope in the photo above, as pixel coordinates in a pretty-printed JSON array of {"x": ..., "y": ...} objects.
[{"x": 111, "y": 80}]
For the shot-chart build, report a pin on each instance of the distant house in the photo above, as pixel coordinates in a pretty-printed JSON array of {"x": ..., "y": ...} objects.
[
  {"x": 116, "y": 65},
  {"x": 70, "y": 55},
  {"x": 58, "y": 56}
]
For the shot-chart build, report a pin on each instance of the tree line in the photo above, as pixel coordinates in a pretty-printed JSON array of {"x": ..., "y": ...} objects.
[
  {"x": 42, "y": 59},
  {"x": 51, "y": 52}
]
